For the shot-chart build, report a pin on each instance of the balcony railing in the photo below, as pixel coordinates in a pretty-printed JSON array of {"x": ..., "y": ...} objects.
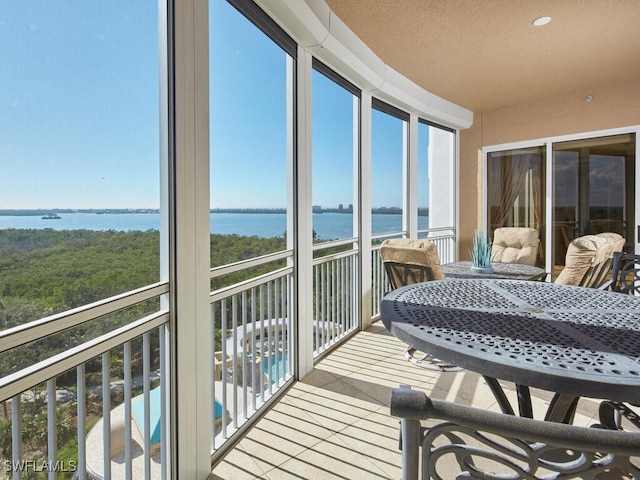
[
  {"x": 335, "y": 294},
  {"x": 115, "y": 385},
  {"x": 57, "y": 400},
  {"x": 252, "y": 343}
]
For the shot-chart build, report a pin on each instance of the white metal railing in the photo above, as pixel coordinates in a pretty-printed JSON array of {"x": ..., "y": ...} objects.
[
  {"x": 379, "y": 283},
  {"x": 103, "y": 400},
  {"x": 335, "y": 296},
  {"x": 252, "y": 334},
  {"x": 251, "y": 348},
  {"x": 445, "y": 240}
]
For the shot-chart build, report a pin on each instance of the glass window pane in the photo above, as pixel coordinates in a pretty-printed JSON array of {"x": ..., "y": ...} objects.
[
  {"x": 249, "y": 137},
  {"x": 387, "y": 166},
  {"x": 333, "y": 159},
  {"x": 516, "y": 190},
  {"x": 594, "y": 189},
  {"x": 79, "y": 119},
  {"x": 436, "y": 157}
]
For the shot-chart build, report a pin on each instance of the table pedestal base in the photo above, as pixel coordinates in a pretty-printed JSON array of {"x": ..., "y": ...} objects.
[{"x": 562, "y": 408}]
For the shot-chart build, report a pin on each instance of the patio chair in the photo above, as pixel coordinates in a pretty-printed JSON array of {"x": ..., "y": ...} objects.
[
  {"x": 588, "y": 260},
  {"x": 625, "y": 274},
  {"x": 407, "y": 261},
  {"x": 515, "y": 245},
  {"x": 625, "y": 278},
  {"x": 467, "y": 442}
]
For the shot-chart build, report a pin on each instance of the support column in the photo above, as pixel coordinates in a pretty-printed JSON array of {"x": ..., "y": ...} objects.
[
  {"x": 364, "y": 211},
  {"x": 302, "y": 206},
  {"x": 189, "y": 240},
  {"x": 410, "y": 178}
]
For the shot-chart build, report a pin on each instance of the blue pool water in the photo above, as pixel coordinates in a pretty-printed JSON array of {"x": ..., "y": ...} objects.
[{"x": 279, "y": 365}]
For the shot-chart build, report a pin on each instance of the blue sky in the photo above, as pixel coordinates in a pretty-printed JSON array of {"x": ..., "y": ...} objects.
[
  {"x": 79, "y": 113},
  {"x": 78, "y": 104}
]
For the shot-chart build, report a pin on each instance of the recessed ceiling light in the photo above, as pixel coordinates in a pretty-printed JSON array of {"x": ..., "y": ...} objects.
[{"x": 538, "y": 22}]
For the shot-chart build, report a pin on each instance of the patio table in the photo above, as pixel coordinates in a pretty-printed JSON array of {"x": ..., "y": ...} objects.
[
  {"x": 512, "y": 271},
  {"x": 569, "y": 340}
]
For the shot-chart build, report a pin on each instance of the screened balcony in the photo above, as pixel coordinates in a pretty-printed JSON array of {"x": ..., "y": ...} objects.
[{"x": 247, "y": 362}]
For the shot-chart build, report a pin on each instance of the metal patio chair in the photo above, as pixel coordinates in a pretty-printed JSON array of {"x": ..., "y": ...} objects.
[
  {"x": 589, "y": 258},
  {"x": 625, "y": 278},
  {"x": 408, "y": 261},
  {"x": 467, "y": 442},
  {"x": 625, "y": 274}
]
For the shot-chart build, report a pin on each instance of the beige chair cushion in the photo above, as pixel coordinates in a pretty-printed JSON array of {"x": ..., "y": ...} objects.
[
  {"x": 413, "y": 252},
  {"x": 515, "y": 245},
  {"x": 615, "y": 241},
  {"x": 583, "y": 252}
]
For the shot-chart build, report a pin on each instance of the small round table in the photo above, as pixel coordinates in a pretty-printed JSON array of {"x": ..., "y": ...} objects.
[
  {"x": 512, "y": 271},
  {"x": 570, "y": 340}
]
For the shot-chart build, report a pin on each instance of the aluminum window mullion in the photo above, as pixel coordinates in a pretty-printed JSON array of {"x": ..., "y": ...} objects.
[
  {"x": 146, "y": 398},
  {"x": 52, "y": 440},
  {"x": 106, "y": 417},
  {"x": 81, "y": 416},
  {"x": 127, "y": 410}
]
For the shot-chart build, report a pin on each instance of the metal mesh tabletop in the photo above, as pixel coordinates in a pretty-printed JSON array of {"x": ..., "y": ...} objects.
[
  {"x": 560, "y": 338},
  {"x": 511, "y": 271}
]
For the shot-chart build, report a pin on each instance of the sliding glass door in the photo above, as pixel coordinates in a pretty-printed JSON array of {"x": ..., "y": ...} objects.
[
  {"x": 594, "y": 190},
  {"x": 591, "y": 189},
  {"x": 515, "y": 191}
]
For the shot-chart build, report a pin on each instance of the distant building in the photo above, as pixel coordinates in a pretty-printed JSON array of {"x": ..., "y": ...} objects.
[
  {"x": 351, "y": 206},
  {"x": 340, "y": 207},
  {"x": 317, "y": 208}
]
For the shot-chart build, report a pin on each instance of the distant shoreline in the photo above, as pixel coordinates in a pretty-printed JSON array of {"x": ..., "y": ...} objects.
[{"x": 46, "y": 211}]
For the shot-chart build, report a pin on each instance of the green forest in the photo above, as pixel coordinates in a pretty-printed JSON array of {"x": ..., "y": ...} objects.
[{"x": 43, "y": 272}]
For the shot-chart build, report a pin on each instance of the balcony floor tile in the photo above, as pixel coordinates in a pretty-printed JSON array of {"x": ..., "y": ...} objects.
[{"x": 335, "y": 423}]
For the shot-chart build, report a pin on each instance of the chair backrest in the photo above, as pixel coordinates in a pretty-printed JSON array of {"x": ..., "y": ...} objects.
[
  {"x": 600, "y": 271},
  {"x": 625, "y": 274},
  {"x": 515, "y": 245},
  {"x": 409, "y": 261},
  {"x": 587, "y": 261},
  {"x": 491, "y": 445}
]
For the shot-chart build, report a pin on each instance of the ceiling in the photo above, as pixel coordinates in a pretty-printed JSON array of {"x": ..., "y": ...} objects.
[{"x": 487, "y": 54}]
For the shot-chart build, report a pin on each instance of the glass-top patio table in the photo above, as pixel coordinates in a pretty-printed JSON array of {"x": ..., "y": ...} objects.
[{"x": 569, "y": 340}]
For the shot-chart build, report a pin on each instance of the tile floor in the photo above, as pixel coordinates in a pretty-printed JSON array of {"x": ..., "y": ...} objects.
[{"x": 335, "y": 423}]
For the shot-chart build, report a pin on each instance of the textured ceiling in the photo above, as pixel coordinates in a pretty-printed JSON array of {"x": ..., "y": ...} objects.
[{"x": 485, "y": 54}]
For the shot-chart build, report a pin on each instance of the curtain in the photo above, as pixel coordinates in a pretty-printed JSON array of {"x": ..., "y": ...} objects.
[{"x": 507, "y": 183}]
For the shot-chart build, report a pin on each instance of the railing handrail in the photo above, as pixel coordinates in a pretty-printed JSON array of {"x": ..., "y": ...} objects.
[
  {"x": 222, "y": 270},
  {"x": 334, "y": 256},
  {"x": 29, "y": 332},
  {"x": 334, "y": 243},
  {"x": 16, "y": 383},
  {"x": 388, "y": 234},
  {"x": 438, "y": 229},
  {"x": 247, "y": 284}
]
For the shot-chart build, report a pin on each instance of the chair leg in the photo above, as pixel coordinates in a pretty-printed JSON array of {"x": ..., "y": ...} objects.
[
  {"x": 611, "y": 414},
  {"x": 428, "y": 362}
]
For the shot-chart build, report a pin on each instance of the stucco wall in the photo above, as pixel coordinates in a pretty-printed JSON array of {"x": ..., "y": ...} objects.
[{"x": 613, "y": 106}]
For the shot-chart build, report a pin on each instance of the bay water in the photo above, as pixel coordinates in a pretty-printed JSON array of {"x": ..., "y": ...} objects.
[{"x": 326, "y": 225}]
